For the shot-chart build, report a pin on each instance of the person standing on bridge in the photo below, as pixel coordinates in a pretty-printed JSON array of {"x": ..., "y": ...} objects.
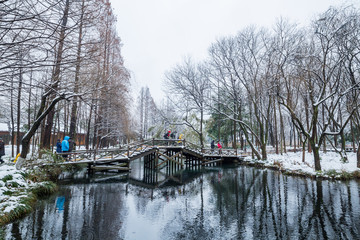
[
  {"x": 167, "y": 135},
  {"x": 212, "y": 145},
  {"x": 72, "y": 145},
  {"x": 58, "y": 146},
  {"x": 219, "y": 147},
  {"x": 181, "y": 137},
  {"x": 65, "y": 146}
]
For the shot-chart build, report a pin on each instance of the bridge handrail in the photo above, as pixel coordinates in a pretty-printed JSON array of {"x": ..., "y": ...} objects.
[{"x": 128, "y": 150}]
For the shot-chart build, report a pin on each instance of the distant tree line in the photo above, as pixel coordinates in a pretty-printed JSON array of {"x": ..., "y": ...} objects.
[
  {"x": 289, "y": 87},
  {"x": 61, "y": 69}
]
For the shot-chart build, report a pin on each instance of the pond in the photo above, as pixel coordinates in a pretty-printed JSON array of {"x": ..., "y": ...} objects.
[{"x": 216, "y": 203}]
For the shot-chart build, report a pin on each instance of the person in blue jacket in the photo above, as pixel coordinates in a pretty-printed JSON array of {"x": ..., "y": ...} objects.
[
  {"x": 65, "y": 146},
  {"x": 58, "y": 146}
]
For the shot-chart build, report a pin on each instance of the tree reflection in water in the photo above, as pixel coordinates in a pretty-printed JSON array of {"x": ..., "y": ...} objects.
[{"x": 224, "y": 203}]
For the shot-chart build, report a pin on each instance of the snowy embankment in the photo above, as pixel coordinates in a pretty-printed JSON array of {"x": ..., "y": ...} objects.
[
  {"x": 13, "y": 187},
  {"x": 18, "y": 193},
  {"x": 331, "y": 164}
]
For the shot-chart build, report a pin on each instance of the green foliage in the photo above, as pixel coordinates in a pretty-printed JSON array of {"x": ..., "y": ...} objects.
[
  {"x": 2, "y": 233},
  {"x": 356, "y": 174},
  {"x": 26, "y": 203},
  {"x": 46, "y": 173},
  {"x": 14, "y": 184},
  {"x": 345, "y": 175},
  {"x": 7, "y": 178},
  {"x": 26, "y": 206},
  {"x": 7, "y": 192},
  {"x": 44, "y": 189},
  {"x": 25, "y": 175},
  {"x": 51, "y": 157},
  {"x": 331, "y": 173}
]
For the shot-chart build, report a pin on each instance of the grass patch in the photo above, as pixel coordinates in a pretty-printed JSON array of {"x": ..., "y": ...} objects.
[
  {"x": 331, "y": 173},
  {"x": 7, "y": 192},
  {"x": 7, "y": 178},
  {"x": 44, "y": 189},
  {"x": 356, "y": 174},
  {"x": 26, "y": 206},
  {"x": 345, "y": 175},
  {"x": 13, "y": 184}
]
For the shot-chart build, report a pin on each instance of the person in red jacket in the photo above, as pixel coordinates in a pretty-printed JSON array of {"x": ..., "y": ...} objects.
[{"x": 219, "y": 147}]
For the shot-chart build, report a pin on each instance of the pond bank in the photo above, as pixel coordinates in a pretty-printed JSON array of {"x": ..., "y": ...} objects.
[
  {"x": 20, "y": 190},
  {"x": 292, "y": 164}
]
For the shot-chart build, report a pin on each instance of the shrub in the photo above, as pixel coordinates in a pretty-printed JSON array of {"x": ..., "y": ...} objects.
[
  {"x": 13, "y": 184},
  {"x": 331, "y": 173},
  {"x": 25, "y": 207},
  {"x": 356, "y": 174},
  {"x": 7, "y": 192},
  {"x": 345, "y": 175},
  {"x": 7, "y": 178},
  {"x": 44, "y": 189}
]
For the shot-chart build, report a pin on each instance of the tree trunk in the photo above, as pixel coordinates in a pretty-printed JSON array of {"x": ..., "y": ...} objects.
[
  {"x": 45, "y": 142},
  {"x": 18, "y": 139},
  {"x": 323, "y": 119},
  {"x": 352, "y": 136},
  {"x": 303, "y": 151},
  {"x": 42, "y": 113},
  {"x": 263, "y": 151},
  {"x": 307, "y": 120},
  {"x": 29, "y": 102},
  {"x": 12, "y": 118},
  {"x": 87, "y": 139},
  {"x": 276, "y": 129},
  {"x": 316, "y": 152},
  {"x": 73, "y": 118},
  {"x": 282, "y": 132},
  {"x": 358, "y": 156}
]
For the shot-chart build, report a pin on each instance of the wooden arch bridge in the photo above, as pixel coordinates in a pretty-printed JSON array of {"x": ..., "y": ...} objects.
[{"x": 174, "y": 154}]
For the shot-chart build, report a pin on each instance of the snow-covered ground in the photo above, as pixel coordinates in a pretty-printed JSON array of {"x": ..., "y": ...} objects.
[
  {"x": 330, "y": 163},
  {"x": 12, "y": 187}
]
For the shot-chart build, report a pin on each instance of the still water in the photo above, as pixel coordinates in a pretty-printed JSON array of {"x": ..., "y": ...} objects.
[{"x": 216, "y": 203}]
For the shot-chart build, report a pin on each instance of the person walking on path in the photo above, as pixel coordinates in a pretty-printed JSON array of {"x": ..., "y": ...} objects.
[
  {"x": 2, "y": 150},
  {"x": 219, "y": 147},
  {"x": 58, "y": 146},
  {"x": 65, "y": 146}
]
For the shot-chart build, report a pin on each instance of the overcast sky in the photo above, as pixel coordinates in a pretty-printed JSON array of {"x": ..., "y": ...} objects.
[{"x": 158, "y": 34}]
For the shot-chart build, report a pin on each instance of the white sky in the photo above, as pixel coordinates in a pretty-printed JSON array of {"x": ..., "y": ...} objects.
[{"x": 158, "y": 34}]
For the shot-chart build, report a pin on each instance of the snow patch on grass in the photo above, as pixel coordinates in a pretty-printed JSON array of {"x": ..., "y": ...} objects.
[{"x": 331, "y": 163}]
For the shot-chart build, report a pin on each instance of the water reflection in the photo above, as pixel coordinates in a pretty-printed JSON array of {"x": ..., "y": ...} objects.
[{"x": 222, "y": 203}]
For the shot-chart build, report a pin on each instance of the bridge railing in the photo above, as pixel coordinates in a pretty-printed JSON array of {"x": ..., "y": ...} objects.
[
  {"x": 223, "y": 151},
  {"x": 129, "y": 149},
  {"x": 89, "y": 154},
  {"x": 168, "y": 142}
]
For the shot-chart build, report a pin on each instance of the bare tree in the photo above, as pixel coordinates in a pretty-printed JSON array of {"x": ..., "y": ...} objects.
[{"x": 189, "y": 89}]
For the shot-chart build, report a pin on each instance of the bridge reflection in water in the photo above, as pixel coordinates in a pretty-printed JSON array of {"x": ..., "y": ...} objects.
[{"x": 214, "y": 203}]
